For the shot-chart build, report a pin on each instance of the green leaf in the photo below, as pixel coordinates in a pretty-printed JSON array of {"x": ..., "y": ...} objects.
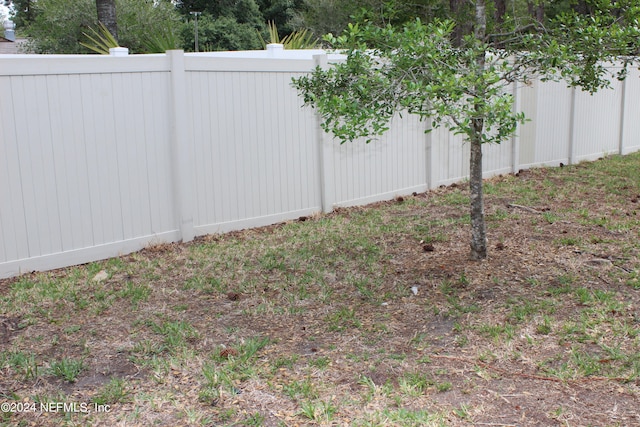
[{"x": 99, "y": 41}]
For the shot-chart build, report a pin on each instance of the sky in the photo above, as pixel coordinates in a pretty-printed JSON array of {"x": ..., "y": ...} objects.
[{"x": 4, "y": 12}]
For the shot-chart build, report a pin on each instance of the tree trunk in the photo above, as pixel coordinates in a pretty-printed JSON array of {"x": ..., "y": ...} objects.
[
  {"x": 478, "y": 227},
  {"x": 501, "y": 10},
  {"x": 107, "y": 15},
  {"x": 536, "y": 11},
  {"x": 463, "y": 27}
]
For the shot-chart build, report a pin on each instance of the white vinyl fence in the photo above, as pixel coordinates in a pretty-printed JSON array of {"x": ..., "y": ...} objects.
[{"x": 101, "y": 156}]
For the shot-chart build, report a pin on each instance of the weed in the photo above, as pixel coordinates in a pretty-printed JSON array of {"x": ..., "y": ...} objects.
[
  {"x": 285, "y": 361},
  {"x": 273, "y": 260},
  {"x": 544, "y": 328},
  {"x": 402, "y": 417},
  {"x": 112, "y": 392},
  {"x": 24, "y": 364},
  {"x": 308, "y": 410},
  {"x": 318, "y": 411},
  {"x": 255, "y": 419},
  {"x": 568, "y": 241},
  {"x": 550, "y": 217},
  {"x": 456, "y": 197},
  {"x": 342, "y": 319},
  {"x": 320, "y": 362},
  {"x": 633, "y": 279},
  {"x": 462, "y": 411},
  {"x": 444, "y": 386},
  {"x": 66, "y": 369},
  {"x": 304, "y": 389},
  {"x": 175, "y": 333},
  {"x": 414, "y": 384},
  {"x": 497, "y": 331},
  {"x": 72, "y": 329}
]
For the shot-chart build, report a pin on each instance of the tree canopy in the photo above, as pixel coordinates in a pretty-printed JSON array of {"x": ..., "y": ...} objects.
[
  {"x": 58, "y": 26},
  {"x": 242, "y": 20}
]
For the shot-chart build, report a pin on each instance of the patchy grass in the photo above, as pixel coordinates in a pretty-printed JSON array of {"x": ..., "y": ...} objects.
[{"x": 370, "y": 316}]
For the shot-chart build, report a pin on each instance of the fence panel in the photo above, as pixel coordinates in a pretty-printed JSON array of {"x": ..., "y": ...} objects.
[
  {"x": 254, "y": 146},
  {"x": 394, "y": 164},
  {"x": 86, "y": 160},
  {"x": 630, "y": 132},
  {"x": 449, "y": 158},
  {"x": 597, "y": 120},
  {"x": 100, "y": 156},
  {"x": 545, "y": 139}
]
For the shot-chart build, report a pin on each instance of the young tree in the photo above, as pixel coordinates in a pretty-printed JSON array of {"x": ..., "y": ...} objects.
[{"x": 462, "y": 81}]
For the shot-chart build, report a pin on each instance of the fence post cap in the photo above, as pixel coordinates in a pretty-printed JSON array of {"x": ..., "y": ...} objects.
[
  {"x": 118, "y": 51},
  {"x": 274, "y": 49}
]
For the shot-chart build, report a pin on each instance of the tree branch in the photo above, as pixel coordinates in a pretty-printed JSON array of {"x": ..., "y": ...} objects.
[{"x": 517, "y": 31}]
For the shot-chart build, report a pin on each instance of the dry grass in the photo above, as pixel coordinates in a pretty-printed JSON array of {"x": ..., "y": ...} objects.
[{"x": 369, "y": 316}]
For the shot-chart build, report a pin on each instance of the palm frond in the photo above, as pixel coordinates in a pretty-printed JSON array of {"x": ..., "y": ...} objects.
[
  {"x": 300, "y": 39},
  {"x": 99, "y": 41}
]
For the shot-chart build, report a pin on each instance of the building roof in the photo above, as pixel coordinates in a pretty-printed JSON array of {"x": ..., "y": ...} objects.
[{"x": 9, "y": 47}]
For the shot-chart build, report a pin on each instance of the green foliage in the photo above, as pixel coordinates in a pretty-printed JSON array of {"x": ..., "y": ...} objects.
[
  {"x": 56, "y": 26},
  {"x": 223, "y": 33},
  {"x": 149, "y": 27},
  {"x": 112, "y": 392},
  {"x": 59, "y": 26},
  {"x": 162, "y": 41},
  {"x": 67, "y": 369},
  {"x": 100, "y": 41},
  {"x": 333, "y": 16},
  {"x": 414, "y": 69},
  {"x": 301, "y": 39},
  {"x": 22, "y": 12},
  {"x": 417, "y": 69},
  {"x": 283, "y": 13},
  {"x": 224, "y": 25},
  {"x": 460, "y": 79}
]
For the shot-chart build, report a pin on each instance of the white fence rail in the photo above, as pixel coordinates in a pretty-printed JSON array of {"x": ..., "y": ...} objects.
[{"x": 100, "y": 156}]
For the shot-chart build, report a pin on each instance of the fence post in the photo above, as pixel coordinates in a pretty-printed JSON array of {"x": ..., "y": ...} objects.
[
  {"x": 182, "y": 162},
  {"x": 325, "y": 152},
  {"x": 623, "y": 100},
  {"x": 572, "y": 130},
  {"x": 515, "y": 138},
  {"x": 430, "y": 154}
]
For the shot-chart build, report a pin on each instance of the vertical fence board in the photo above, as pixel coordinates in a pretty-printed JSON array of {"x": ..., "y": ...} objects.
[
  {"x": 13, "y": 229},
  {"x": 75, "y": 162}
]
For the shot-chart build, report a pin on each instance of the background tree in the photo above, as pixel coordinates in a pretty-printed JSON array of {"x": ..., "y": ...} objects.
[
  {"x": 143, "y": 22},
  {"x": 21, "y": 13},
  {"x": 332, "y": 16},
  {"x": 224, "y": 24},
  {"x": 107, "y": 15},
  {"x": 282, "y": 13},
  {"x": 58, "y": 25},
  {"x": 462, "y": 79},
  {"x": 221, "y": 34}
]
